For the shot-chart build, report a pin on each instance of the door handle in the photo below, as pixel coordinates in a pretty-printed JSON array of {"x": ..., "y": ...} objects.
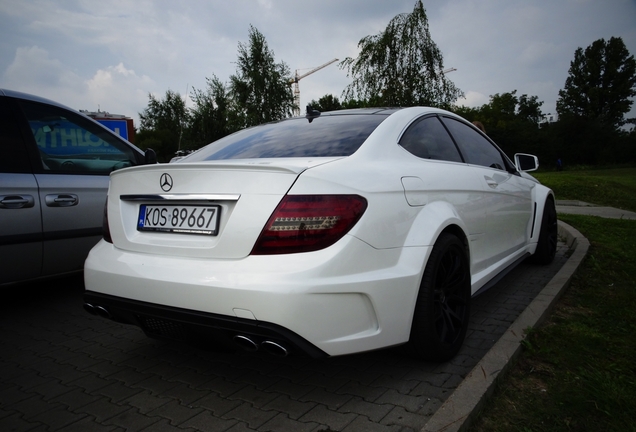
[
  {"x": 16, "y": 201},
  {"x": 61, "y": 200}
]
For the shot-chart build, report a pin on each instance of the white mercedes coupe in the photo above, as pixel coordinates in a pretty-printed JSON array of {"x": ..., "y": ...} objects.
[{"x": 329, "y": 234}]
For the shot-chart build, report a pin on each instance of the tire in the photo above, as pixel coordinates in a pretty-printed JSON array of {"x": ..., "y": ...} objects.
[
  {"x": 442, "y": 309},
  {"x": 548, "y": 236}
]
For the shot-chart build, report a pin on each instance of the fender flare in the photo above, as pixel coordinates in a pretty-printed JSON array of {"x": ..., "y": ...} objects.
[
  {"x": 541, "y": 195},
  {"x": 434, "y": 218}
]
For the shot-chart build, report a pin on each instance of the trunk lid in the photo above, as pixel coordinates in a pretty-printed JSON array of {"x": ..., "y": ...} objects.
[{"x": 185, "y": 198}]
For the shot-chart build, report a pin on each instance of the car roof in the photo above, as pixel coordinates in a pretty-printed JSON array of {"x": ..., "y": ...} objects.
[
  {"x": 358, "y": 111},
  {"x": 33, "y": 98}
]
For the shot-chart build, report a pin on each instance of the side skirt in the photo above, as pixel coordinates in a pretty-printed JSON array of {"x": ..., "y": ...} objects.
[{"x": 501, "y": 274}]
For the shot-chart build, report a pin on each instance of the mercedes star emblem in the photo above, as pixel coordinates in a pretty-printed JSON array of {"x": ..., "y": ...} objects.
[{"x": 165, "y": 182}]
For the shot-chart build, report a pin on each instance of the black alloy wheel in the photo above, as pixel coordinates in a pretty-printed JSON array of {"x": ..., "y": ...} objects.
[{"x": 442, "y": 310}]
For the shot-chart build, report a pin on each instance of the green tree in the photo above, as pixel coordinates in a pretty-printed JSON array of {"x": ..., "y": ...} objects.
[
  {"x": 400, "y": 66},
  {"x": 500, "y": 111},
  {"x": 600, "y": 85},
  {"x": 512, "y": 122},
  {"x": 326, "y": 103},
  {"x": 506, "y": 108},
  {"x": 162, "y": 125},
  {"x": 469, "y": 113},
  {"x": 375, "y": 101},
  {"x": 529, "y": 109},
  {"x": 211, "y": 116},
  {"x": 260, "y": 89}
]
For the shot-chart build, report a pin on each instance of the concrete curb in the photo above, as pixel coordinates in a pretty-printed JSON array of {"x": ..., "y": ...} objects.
[{"x": 459, "y": 411}]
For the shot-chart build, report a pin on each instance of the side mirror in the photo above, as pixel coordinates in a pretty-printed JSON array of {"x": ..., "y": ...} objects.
[
  {"x": 150, "y": 157},
  {"x": 526, "y": 162}
]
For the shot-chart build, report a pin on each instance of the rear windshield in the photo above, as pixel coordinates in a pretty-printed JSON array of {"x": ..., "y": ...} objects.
[{"x": 329, "y": 135}]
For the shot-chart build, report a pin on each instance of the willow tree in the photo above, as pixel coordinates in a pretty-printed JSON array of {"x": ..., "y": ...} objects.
[{"x": 400, "y": 66}]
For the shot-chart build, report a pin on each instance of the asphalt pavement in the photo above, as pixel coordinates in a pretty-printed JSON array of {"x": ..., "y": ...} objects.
[{"x": 65, "y": 370}]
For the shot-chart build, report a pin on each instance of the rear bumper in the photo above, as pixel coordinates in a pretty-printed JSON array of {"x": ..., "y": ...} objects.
[
  {"x": 206, "y": 329},
  {"x": 344, "y": 299}
]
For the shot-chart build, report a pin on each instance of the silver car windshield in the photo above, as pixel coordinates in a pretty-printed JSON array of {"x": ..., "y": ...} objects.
[{"x": 324, "y": 136}]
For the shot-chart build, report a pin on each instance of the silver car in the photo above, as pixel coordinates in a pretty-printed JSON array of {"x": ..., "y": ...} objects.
[{"x": 54, "y": 168}]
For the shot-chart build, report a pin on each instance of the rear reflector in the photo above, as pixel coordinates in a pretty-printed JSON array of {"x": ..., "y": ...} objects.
[
  {"x": 105, "y": 227},
  {"x": 305, "y": 223}
]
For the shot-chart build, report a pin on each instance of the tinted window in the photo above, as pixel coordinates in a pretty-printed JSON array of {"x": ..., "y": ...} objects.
[
  {"x": 476, "y": 148},
  {"x": 331, "y": 135},
  {"x": 13, "y": 153},
  {"x": 69, "y": 143},
  {"x": 429, "y": 139}
]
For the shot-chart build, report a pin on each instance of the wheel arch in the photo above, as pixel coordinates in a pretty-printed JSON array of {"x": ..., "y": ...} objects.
[
  {"x": 541, "y": 197},
  {"x": 458, "y": 232},
  {"x": 442, "y": 310},
  {"x": 432, "y": 221}
]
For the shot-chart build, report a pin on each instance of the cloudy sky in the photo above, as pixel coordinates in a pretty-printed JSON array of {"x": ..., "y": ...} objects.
[{"x": 110, "y": 55}]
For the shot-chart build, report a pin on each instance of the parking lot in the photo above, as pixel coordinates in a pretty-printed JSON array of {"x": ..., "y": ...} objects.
[{"x": 65, "y": 370}]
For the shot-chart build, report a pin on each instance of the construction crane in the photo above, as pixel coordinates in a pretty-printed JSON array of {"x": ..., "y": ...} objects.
[{"x": 298, "y": 78}]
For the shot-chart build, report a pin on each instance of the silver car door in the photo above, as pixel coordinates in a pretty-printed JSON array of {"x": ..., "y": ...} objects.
[
  {"x": 72, "y": 215},
  {"x": 20, "y": 218},
  {"x": 77, "y": 155}
]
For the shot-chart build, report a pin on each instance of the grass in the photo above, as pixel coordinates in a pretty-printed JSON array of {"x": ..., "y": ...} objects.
[
  {"x": 607, "y": 187},
  {"x": 578, "y": 371}
]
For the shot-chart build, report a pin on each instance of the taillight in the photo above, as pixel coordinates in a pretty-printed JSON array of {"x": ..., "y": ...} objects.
[
  {"x": 305, "y": 223},
  {"x": 105, "y": 227}
]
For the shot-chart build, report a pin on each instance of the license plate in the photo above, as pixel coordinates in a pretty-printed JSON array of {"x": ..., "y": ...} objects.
[{"x": 179, "y": 219}]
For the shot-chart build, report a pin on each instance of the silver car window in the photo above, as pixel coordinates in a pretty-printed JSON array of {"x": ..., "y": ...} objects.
[
  {"x": 14, "y": 157},
  {"x": 70, "y": 143}
]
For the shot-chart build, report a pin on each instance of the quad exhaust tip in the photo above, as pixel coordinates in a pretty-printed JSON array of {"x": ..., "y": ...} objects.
[
  {"x": 97, "y": 310},
  {"x": 246, "y": 343},
  {"x": 273, "y": 348}
]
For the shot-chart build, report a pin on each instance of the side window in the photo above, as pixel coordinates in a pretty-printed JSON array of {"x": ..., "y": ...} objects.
[
  {"x": 428, "y": 139},
  {"x": 476, "y": 149},
  {"x": 70, "y": 143},
  {"x": 13, "y": 152}
]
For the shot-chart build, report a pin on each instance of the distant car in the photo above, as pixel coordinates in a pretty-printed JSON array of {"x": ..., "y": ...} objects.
[
  {"x": 54, "y": 167},
  {"x": 180, "y": 154},
  {"x": 333, "y": 234}
]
